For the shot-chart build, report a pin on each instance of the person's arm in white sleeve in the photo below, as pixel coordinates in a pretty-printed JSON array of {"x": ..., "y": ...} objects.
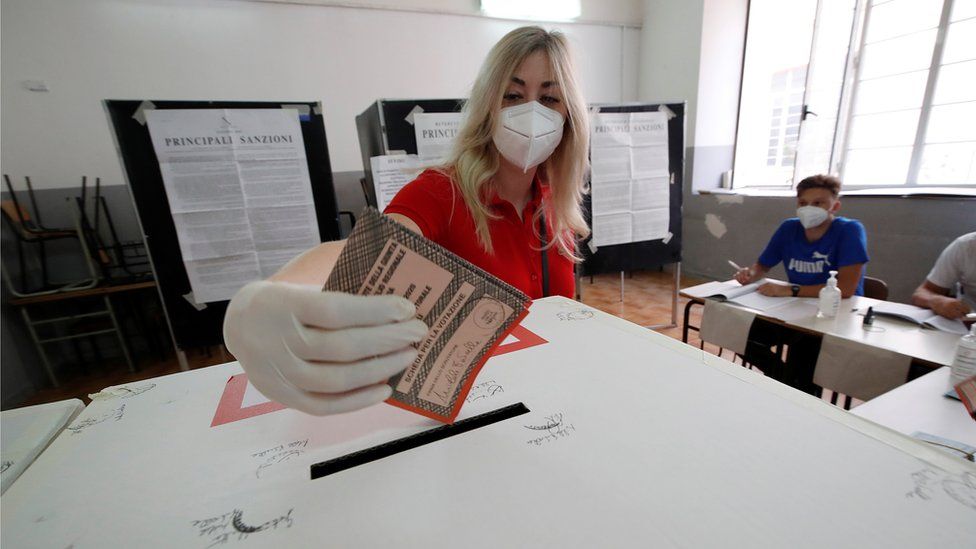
[
  {"x": 320, "y": 352},
  {"x": 933, "y": 292}
]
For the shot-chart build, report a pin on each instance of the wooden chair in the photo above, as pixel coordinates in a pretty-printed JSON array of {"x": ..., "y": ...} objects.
[{"x": 875, "y": 288}]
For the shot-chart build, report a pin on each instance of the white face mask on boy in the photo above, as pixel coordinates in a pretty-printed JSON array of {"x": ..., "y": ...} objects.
[
  {"x": 811, "y": 216},
  {"x": 528, "y": 133}
]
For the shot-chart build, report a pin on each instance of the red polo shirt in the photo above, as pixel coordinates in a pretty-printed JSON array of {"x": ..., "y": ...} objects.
[{"x": 435, "y": 204}]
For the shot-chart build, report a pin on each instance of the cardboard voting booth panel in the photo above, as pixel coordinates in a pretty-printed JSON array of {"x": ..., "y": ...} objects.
[{"x": 629, "y": 438}]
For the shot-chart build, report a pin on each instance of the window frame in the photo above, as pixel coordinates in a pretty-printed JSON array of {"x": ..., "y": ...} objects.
[{"x": 848, "y": 94}]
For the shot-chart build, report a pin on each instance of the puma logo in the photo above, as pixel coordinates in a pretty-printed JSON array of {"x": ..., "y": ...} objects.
[{"x": 824, "y": 257}]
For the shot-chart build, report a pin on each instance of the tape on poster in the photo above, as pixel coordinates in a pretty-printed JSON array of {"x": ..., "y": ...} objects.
[
  {"x": 413, "y": 111},
  {"x": 193, "y": 302},
  {"x": 303, "y": 111},
  {"x": 140, "y": 114}
]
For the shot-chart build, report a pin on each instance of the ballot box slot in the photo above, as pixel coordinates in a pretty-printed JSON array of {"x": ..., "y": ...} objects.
[{"x": 348, "y": 461}]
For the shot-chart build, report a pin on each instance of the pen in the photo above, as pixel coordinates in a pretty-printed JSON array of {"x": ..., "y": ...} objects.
[{"x": 735, "y": 265}]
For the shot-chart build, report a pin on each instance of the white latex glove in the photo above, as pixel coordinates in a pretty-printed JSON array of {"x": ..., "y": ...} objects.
[{"x": 320, "y": 352}]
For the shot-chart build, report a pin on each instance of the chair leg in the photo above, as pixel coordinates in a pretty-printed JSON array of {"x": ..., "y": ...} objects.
[
  {"x": 45, "y": 281},
  {"x": 39, "y": 346},
  {"x": 833, "y": 397},
  {"x": 847, "y": 402},
  {"x": 118, "y": 332}
]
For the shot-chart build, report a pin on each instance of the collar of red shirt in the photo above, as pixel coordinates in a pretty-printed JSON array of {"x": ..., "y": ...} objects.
[{"x": 540, "y": 190}]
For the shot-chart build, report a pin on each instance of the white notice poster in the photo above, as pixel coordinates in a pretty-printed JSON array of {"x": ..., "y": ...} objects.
[
  {"x": 391, "y": 173},
  {"x": 630, "y": 184},
  {"x": 238, "y": 187},
  {"x": 435, "y": 133}
]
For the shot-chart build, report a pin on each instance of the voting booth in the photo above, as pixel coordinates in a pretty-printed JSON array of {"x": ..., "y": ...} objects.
[
  {"x": 634, "y": 204},
  {"x": 226, "y": 192},
  {"x": 387, "y": 127}
]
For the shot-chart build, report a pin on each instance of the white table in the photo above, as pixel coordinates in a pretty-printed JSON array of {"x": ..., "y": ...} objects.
[
  {"x": 926, "y": 345},
  {"x": 920, "y": 406},
  {"x": 27, "y": 431},
  {"x": 633, "y": 439}
]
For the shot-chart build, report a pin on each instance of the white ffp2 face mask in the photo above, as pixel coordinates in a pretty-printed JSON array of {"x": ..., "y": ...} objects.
[
  {"x": 811, "y": 216},
  {"x": 528, "y": 133}
]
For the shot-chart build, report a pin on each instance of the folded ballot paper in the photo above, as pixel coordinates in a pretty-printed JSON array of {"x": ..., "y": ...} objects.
[{"x": 468, "y": 311}]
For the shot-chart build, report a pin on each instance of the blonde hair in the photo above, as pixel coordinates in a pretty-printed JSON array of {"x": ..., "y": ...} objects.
[{"x": 475, "y": 159}]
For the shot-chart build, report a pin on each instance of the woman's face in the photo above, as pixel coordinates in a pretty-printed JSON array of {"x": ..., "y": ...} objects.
[{"x": 533, "y": 81}]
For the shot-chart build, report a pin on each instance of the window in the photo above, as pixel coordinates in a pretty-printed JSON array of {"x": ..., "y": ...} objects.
[{"x": 887, "y": 98}]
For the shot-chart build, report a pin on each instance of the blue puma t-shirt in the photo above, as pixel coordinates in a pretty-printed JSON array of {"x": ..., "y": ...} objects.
[{"x": 808, "y": 263}]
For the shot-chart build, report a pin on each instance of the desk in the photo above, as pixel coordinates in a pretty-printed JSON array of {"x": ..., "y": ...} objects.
[
  {"x": 859, "y": 362},
  {"x": 103, "y": 291},
  {"x": 920, "y": 406},
  {"x": 934, "y": 348},
  {"x": 632, "y": 439}
]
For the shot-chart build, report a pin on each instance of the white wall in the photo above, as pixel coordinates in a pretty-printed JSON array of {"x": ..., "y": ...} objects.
[
  {"x": 346, "y": 57},
  {"x": 720, "y": 71},
  {"x": 669, "y": 51}
]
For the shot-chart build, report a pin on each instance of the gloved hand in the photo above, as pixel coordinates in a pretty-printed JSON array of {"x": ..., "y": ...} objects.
[{"x": 320, "y": 352}]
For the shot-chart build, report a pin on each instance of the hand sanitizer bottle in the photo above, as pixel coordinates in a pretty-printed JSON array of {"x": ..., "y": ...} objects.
[
  {"x": 829, "y": 298},
  {"x": 964, "y": 365}
]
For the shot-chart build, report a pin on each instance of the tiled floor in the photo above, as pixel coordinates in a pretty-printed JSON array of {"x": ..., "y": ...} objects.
[{"x": 647, "y": 301}]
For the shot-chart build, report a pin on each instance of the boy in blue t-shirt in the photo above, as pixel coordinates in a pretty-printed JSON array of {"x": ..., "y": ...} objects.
[{"x": 813, "y": 244}]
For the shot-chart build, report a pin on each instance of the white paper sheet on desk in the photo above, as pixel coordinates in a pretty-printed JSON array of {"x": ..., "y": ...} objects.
[
  {"x": 726, "y": 325},
  {"x": 921, "y": 316},
  {"x": 763, "y": 303},
  {"x": 859, "y": 370},
  {"x": 729, "y": 289},
  {"x": 947, "y": 325}
]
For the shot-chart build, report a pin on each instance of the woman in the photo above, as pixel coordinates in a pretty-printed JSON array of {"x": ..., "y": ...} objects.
[{"x": 508, "y": 201}]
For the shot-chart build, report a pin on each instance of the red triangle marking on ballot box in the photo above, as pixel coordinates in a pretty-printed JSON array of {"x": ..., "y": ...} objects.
[
  {"x": 525, "y": 337},
  {"x": 230, "y": 408}
]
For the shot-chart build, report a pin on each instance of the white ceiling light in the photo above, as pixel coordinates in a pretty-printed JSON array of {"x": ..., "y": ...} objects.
[{"x": 537, "y": 10}]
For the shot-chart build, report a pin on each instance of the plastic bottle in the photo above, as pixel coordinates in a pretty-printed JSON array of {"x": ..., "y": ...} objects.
[
  {"x": 964, "y": 364},
  {"x": 829, "y": 298}
]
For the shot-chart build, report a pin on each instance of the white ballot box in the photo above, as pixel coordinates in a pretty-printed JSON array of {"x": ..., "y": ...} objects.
[{"x": 630, "y": 439}]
